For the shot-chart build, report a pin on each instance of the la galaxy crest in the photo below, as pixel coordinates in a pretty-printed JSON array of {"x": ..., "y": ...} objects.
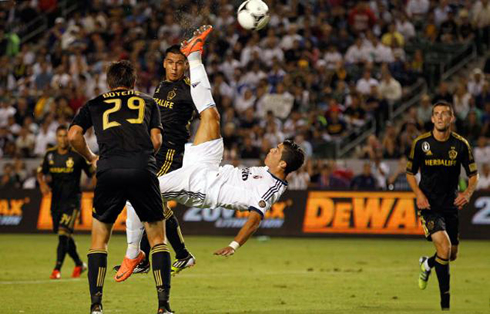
[
  {"x": 171, "y": 95},
  {"x": 453, "y": 153},
  {"x": 70, "y": 162}
]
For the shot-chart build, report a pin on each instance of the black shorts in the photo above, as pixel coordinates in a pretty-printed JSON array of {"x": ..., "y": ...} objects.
[
  {"x": 117, "y": 186},
  {"x": 433, "y": 221},
  {"x": 172, "y": 161},
  {"x": 65, "y": 219},
  {"x": 169, "y": 160}
]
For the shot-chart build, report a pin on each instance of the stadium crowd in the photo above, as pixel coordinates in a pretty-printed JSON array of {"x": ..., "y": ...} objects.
[{"x": 320, "y": 69}]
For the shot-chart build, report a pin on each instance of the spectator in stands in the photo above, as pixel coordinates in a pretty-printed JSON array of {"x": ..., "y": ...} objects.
[
  {"x": 448, "y": 30},
  {"x": 357, "y": 54},
  {"x": 476, "y": 82},
  {"x": 482, "y": 151},
  {"x": 417, "y": 9},
  {"x": 405, "y": 27},
  {"x": 393, "y": 35},
  {"x": 380, "y": 169},
  {"x": 424, "y": 112},
  {"x": 471, "y": 128},
  {"x": 389, "y": 88},
  {"x": 9, "y": 180},
  {"x": 361, "y": 18},
  {"x": 364, "y": 181},
  {"x": 441, "y": 12},
  {"x": 363, "y": 85},
  {"x": 443, "y": 93},
  {"x": 466, "y": 31},
  {"x": 299, "y": 180},
  {"x": 249, "y": 151},
  {"x": 398, "y": 180},
  {"x": 461, "y": 102},
  {"x": 355, "y": 114},
  {"x": 25, "y": 143},
  {"x": 484, "y": 178}
]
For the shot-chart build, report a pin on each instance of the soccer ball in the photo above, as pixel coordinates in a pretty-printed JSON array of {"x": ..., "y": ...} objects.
[{"x": 253, "y": 14}]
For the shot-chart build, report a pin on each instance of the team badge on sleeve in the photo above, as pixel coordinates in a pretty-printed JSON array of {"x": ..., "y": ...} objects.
[{"x": 262, "y": 204}]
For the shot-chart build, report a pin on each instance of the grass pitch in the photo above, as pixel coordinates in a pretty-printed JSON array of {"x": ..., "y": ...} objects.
[{"x": 276, "y": 276}]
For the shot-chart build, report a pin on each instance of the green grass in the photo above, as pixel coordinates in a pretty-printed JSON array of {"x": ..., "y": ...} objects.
[{"x": 276, "y": 276}]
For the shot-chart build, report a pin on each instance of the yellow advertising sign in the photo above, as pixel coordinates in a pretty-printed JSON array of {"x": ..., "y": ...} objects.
[
  {"x": 361, "y": 212},
  {"x": 84, "y": 222}
]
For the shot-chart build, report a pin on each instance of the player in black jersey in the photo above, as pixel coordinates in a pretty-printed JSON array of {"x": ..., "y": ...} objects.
[
  {"x": 439, "y": 155},
  {"x": 128, "y": 128},
  {"x": 59, "y": 174},
  {"x": 177, "y": 109}
]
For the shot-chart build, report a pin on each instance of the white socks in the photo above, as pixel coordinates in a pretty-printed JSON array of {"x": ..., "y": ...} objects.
[
  {"x": 200, "y": 86},
  {"x": 134, "y": 232}
]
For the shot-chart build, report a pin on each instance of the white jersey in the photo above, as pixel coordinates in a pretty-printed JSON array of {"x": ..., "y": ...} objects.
[
  {"x": 245, "y": 189},
  {"x": 202, "y": 183}
]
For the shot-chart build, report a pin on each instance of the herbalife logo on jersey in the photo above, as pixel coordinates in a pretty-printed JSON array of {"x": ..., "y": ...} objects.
[{"x": 226, "y": 218}]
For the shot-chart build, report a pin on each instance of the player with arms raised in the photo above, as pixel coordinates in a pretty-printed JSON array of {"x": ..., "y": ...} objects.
[
  {"x": 201, "y": 182},
  {"x": 439, "y": 156}
]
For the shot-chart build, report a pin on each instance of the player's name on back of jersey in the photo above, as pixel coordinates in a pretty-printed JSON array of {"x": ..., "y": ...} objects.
[{"x": 120, "y": 93}]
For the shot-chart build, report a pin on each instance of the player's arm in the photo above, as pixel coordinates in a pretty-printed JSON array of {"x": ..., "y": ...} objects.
[
  {"x": 41, "y": 171},
  {"x": 156, "y": 139},
  {"x": 470, "y": 167},
  {"x": 413, "y": 165},
  {"x": 156, "y": 127},
  {"x": 80, "y": 124},
  {"x": 248, "y": 229},
  {"x": 77, "y": 141}
]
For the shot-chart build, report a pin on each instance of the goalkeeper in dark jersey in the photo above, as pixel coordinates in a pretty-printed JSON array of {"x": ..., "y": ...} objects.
[
  {"x": 439, "y": 156},
  {"x": 177, "y": 111}
]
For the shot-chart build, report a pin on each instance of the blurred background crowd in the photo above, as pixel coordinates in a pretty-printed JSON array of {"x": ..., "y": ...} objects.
[{"x": 318, "y": 72}]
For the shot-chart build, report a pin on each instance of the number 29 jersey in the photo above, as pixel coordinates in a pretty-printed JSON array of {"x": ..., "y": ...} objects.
[{"x": 122, "y": 120}]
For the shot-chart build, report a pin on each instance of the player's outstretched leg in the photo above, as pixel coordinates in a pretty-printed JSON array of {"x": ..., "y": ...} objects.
[
  {"x": 209, "y": 127},
  {"x": 134, "y": 256}
]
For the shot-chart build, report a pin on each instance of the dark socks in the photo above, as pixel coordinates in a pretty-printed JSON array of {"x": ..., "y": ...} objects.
[
  {"x": 97, "y": 266},
  {"x": 174, "y": 236},
  {"x": 431, "y": 261},
  {"x": 61, "y": 251},
  {"x": 72, "y": 251},
  {"x": 160, "y": 262},
  {"x": 145, "y": 247},
  {"x": 442, "y": 271}
]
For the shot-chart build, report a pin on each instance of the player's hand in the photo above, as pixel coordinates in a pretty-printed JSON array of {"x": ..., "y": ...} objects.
[
  {"x": 226, "y": 251},
  {"x": 45, "y": 189},
  {"x": 422, "y": 202},
  {"x": 461, "y": 200}
]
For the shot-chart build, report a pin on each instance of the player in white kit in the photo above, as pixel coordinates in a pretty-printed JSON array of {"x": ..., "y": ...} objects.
[{"x": 201, "y": 182}]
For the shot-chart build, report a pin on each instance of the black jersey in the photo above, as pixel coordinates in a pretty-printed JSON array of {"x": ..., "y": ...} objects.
[
  {"x": 65, "y": 171},
  {"x": 440, "y": 165},
  {"x": 122, "y": 120},
  {"x": 176, "y": 109}
]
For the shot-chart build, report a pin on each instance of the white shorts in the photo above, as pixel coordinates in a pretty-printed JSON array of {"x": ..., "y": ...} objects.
[{"x": 189, "y": 184}]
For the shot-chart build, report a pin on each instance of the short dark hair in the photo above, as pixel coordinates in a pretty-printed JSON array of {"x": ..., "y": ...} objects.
[
  {"x": 121, "y": 74},
  {"x": 293, "y": 155},
  {"x": 175, "y": 49},
  {"x": 442, "y": 103},
  {"x": 62, "y": 127}
]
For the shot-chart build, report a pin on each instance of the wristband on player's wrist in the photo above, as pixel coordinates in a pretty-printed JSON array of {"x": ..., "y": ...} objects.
[{"x": 234, "y": 245}]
